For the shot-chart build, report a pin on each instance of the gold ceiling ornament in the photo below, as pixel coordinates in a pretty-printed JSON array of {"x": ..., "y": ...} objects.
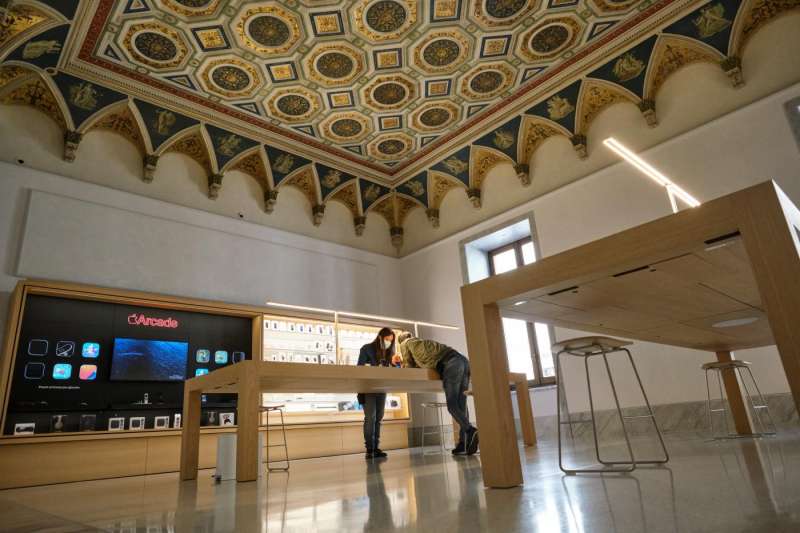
[
  {"x": 614, "y": 6},
  {"x": 154, "y": 44},
  {"x": 193, "y": 146},
  {"x": 36, "y": 93},
  {"x": 253, "y": 165},
  {"x": 384, "y": 20},
  {"x": 9, "y": 73},
  {"x": 435, "y": 116},
  {"x": 391, "y": 146},
  {"x": 121, "y": 121},
  {"x": 230, "y": 77},
  {"x": 348, "y": 197},
  {"x": 595, "y": 97},
  {"x": 303, "y": 180},
  {"x": 268, "y": 29},
  {"x": 389, "y": 92},
  {"x": 385, "y": 208},
  {"x": 294, "y": 104},
  {"x": 347, "y": 127},
  {"x": 441, "y": 185},
  {"x": 191, "y": 8},
  {"x": 550, "y": 38},
  {"x": 759, "y": 13},
  {"x": 502, "y": 13},
  {"x": 441, "y": 51},
  {"x": 334, "y": 64},
  {"x": 404, "y": 207},
  {"x": 670, "y": 54},
  {"x": 534, "y": 132},
  {"x": 483, "y": 160},
  {"x": 19, "y": 18},
  {"x": 486, "y": 81}
]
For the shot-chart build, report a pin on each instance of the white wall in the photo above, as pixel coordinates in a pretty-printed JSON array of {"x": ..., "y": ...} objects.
[{"x": 740, "y": 149}]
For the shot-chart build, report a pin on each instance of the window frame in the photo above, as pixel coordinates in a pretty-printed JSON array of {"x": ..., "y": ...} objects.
[{"x": 516, "y": 246}]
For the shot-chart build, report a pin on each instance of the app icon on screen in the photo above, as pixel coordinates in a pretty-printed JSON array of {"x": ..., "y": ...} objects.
[
  {"x": 37, "y": 347},
  {"x": 62, "y": 371},
  {"x": 65, "y": 348},
  {"x": 34, "y": 370},
  {"x": 91, "y": 350},
  {"x": 238, "y": 357},
  {"x": 88, "y": 372},
  {"x": 203, "y": 355},
  {"x": 201, "y": 372},
  {"x": 221, "y": 357}
]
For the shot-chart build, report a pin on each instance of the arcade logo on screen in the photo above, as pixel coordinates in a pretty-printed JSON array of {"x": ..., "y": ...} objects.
[{"x": 140, "y": 319}]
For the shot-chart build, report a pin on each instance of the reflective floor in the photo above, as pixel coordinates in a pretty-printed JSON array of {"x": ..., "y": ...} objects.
[{"x": 728, "y": 486}]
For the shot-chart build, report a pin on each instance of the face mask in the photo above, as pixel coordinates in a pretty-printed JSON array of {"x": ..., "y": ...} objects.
[{"x": 387, "y": 344}]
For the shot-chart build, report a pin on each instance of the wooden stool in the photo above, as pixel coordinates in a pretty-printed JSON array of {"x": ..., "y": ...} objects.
[
  {"x": 588, "y": 347},
  {"x": 269, "y": 409},
  {"x": 736, "y": 366}
]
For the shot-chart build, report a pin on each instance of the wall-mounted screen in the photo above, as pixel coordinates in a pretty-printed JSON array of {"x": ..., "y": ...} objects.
[{"x": 148, "y": 360}]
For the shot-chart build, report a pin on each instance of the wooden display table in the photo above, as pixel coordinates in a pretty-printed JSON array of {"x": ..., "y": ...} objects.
[
  {"x": 249, "y": 379},
  {"x": 720, "y": 277}
]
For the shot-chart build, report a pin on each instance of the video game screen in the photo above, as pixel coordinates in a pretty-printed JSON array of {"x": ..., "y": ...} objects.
[{"x": 148, "y": 360}]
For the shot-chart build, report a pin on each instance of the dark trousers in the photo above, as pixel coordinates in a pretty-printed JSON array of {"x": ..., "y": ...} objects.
[
  {"x": 454, "y": 370},
  {"x": 373, "y": 414}
]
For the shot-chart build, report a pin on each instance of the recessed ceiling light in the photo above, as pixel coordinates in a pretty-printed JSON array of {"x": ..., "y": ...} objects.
[{"x": 735, "y": 322}]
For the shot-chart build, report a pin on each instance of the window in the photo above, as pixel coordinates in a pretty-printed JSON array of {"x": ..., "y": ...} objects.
[{"x": 527, "y": 343}]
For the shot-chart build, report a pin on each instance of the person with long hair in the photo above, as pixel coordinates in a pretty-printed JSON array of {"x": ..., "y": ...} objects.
[{"x": 379, "y": 352}]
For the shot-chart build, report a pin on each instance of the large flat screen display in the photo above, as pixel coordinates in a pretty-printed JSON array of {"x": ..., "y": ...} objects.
[{"x": 148, "y": 360}]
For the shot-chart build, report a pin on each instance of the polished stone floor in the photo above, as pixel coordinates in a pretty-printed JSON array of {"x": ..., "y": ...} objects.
[{"x": 725, "y": 486}]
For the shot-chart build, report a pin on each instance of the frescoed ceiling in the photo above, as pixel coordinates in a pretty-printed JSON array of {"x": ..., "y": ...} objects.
[{"x": 382, "y": 105}]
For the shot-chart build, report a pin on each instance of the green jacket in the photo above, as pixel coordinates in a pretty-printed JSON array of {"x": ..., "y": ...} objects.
[{"x": 422, "y": 353}]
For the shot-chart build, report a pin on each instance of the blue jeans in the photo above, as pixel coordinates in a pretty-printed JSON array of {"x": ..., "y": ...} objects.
[
  {"x": 454, "y": 370},
  {"x": 373, "y": 414}
]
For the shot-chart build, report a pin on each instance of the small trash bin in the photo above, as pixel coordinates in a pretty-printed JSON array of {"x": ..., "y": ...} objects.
[{"x": 226, "y": 456}]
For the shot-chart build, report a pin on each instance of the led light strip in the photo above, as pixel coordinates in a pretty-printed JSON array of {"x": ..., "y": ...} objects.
[
  {"x": 672, "y": 189},
  {"x": 361, "y": 315}
]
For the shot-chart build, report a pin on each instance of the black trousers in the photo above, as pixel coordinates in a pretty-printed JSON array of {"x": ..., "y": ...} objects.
[{"x": 373, "y": 415}]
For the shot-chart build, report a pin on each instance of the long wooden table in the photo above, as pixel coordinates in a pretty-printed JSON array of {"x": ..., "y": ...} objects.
[
  {"x": 249, "y": 379},
  {"x": 676, "y": 281}
]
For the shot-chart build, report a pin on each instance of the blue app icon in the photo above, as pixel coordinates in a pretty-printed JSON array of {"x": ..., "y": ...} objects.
[
  {"x": 62, "y": 371},
  {"x": 201, "y": 372},
  {"x": 221, "y": 357},
  {"x": 91, "y": 350},
  {"x": 203, "y": 355}
]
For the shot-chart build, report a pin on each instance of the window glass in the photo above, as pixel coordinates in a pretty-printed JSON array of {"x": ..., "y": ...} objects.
[
  {"x": 543, "y": 344},
  {"x": 504, "y": 261},
  {"x": 518, "y": 346},
  {"x": 528, "y": 253}
]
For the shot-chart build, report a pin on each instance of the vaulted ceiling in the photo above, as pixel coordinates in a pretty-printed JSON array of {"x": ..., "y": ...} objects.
[{"x": 383, "y": 105}]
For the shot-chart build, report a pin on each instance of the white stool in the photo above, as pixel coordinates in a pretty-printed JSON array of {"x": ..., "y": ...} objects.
[
  {"x": 587, "y": 347},
  {"x": 437, "y": 407},
  {"x": 270, "y": 409},
  {"x": 737, "y": 366}
]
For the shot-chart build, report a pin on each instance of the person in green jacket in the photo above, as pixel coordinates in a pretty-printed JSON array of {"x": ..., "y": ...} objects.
[{"x": 454, "y": 371}]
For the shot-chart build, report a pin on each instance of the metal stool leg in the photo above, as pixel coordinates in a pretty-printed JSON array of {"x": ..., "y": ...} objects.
[
  {"x": 708, "y": 407},
  {"x": 424, "y": 427},
  {"x": 651, "y": 414},
  {"x": 764, "y": 430},
  {"x": 723, "y": 403},
  {"x": 283, "y": 445},
  {"x": 441, "y": 430},
  {"x": 633, "y": 461}
]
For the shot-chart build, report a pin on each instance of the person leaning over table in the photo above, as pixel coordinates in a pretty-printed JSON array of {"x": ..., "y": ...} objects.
[
  {"x": 377, "y": 353},
  {"x": 454, "y": 371}
]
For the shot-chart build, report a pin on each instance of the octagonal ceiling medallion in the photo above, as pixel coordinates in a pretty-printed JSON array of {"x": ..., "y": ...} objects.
[
  {"x": 550, "y": 38},
  {"x": 495, "y": 13},
  {"x": 334, "y": 64},
  {"x": 390, "y": 146},
  {"x": 293, "y": 104},
  {"x": 154, "y": 44},
  {"x": 389, "y": 92},
  {"x": 384, "y": 20},
  {"x": 268, "y": 29},
  {"x": 229, "y": 76},
  {"x": 346, "y": 127},
  {"x": 441, "y": 51},
  {"x": 191, "y": 8},
  {"x": 486, "y": 81},
  {"x": 435, "y": 116}
]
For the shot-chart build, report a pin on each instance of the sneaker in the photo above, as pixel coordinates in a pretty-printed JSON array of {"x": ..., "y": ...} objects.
[
  {"x": 379, "y": 453},
  {"x": 460, "y": 449},
  {"x": 472, "y": 442}
]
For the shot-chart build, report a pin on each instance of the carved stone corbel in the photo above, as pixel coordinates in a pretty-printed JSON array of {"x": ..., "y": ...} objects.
[
  {"x": 270, "y": 198},
  {"x": 648, "y": 109},
  {"x": 71, "y": 141},
  {"x": 433, "y": 217},
  {"x": 318, "y": 211},
  {"x": 474, "y": 196},
  {"x": 523, "y": 171},
  {"x": 214, "y": 185},
  {"x": 150, "y": 162},
  {"x": 579, "y": 144},
  {"x": 396, "y": 233},
  {"x": 360, "y": 224},
  {"x": 732, "y": 66}
]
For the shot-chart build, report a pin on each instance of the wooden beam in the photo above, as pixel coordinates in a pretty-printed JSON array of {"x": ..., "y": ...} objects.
[
  {"x": 247, "y": 413},
  {"x": 489, "y": 369},
  {"x": 190, "y": 434},
  {"x": 733, "y": 391},
  {"x": 524, "y": 405},
  {"x": 16, "y": 307}
]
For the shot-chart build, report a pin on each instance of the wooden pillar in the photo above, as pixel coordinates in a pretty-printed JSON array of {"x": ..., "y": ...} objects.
[
  {"x": 487, "y": 354},
  {"x": 247, "y": 414},
  {"x": 525, "y": 410},
  {"x": 733, "y": 391},
  {"x": 190, "y": 434},
  {"x": 769, "y": 225}
]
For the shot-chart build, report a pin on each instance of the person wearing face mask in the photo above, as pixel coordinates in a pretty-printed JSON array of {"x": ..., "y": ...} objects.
[{"x": 377, "y": 353}]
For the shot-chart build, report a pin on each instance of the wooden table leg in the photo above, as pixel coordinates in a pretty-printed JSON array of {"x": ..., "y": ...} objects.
[
  {"x": 525, "y": 413},
  {"x": 500, "y": 460},
  {"x": 733, "y": 391},
  {"x": 247, "y": 412},
  {"x": 190, "y": 434}
]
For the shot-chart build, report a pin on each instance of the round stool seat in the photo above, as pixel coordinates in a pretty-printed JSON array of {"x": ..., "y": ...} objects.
[
  {"x": 720, "y": 365},
  {"x": 586, "y": 346},
  {"x": 272, "y": 407}
]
